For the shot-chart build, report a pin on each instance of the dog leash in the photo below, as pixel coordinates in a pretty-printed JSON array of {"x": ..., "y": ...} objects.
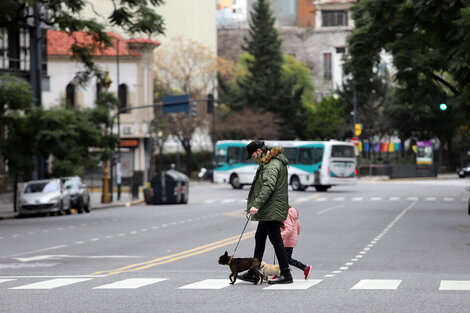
[{"x": 248, "y": 218}]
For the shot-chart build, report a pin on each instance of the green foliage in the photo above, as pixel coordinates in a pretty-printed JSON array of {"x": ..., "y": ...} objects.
[
  {"x": 327, "y": 120},
  {"x": 16, "y": 144},
  {"x": 295, "y": 96},
  {"x": 66, "y": 135},
  {"x": 15, "y": 94},
  {"x": 428, "y": 41},
  {"x": 261, "y": 86},
  {"x": 133, "y": 16}
]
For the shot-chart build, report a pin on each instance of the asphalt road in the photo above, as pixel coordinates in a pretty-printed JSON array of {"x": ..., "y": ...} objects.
[{"x": 401, "y": 246}]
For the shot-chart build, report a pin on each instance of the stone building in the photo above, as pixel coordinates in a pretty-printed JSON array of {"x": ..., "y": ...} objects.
[{"x": 313, "y": 31}]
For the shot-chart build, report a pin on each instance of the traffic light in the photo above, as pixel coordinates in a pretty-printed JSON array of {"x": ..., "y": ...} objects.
[
  {"x": 210, "y": 103},
  {"x": 443, "y": 103},
  {"x": 192, "y": 109}
]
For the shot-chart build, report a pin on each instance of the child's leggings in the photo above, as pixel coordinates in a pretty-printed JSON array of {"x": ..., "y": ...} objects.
[{"x": 294, "y": 262}]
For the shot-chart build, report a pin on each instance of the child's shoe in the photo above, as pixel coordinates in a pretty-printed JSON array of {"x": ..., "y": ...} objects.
[{"x": 307, "y": 271}]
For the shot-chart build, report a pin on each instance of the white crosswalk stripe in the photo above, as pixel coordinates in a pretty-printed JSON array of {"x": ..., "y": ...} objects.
[
  {"x": 209, "y": 284},
  {"x": 377, "y": 284},
  {"x": 454, "y": 285},
  {"x": 297, "y": 285},
  {"x": 228, "y": 200},
  {"x": 325, "y": 199},
  {"x": 213, "y": 284},
  {"x": 132, "y": 283},
  {"x": 53, "y": 283}
]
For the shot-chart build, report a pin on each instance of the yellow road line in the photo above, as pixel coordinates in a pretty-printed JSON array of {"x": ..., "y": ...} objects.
[{"x": 176, "y": 256}]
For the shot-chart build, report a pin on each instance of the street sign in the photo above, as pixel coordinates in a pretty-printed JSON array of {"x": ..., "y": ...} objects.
[
  {"x": 175, "y": 104},
  {"x": 355, "y": 141}
]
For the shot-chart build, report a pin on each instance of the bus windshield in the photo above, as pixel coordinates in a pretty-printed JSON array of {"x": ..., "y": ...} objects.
[{"x": 340, "y": 151}]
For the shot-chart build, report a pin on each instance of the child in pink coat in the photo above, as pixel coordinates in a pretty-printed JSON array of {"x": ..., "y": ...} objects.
[{"x": 290, "y": 230}]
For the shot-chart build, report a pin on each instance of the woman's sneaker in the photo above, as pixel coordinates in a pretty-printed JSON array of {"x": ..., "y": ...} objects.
[{"x": 307, "y": 271}]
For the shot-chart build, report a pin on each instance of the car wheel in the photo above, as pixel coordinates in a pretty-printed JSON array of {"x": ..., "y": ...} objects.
[
  {"x": 235, "y": 182},
  {"x": 296, "y": 185},
  {"x": 86, "y": 207},
  {"x": 80, "y": 206}
]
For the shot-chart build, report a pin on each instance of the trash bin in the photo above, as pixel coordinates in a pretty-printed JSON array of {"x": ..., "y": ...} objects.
[{"x": 170, "y": 187}]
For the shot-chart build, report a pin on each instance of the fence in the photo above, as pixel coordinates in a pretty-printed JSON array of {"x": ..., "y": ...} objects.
[{"x": 398, "y": 171}]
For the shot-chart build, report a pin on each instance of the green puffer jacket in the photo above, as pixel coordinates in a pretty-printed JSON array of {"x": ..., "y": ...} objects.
[{"x": 268, "y": 190}]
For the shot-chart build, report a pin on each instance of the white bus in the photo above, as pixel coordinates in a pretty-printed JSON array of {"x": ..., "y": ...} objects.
[{"x": 320, "y": 164}]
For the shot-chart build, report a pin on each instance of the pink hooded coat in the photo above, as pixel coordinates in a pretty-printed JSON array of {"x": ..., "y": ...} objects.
[{"x": 290, "y": 232}]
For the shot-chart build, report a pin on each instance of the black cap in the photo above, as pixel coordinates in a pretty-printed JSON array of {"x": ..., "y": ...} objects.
[{"x": 253, "y": 146}]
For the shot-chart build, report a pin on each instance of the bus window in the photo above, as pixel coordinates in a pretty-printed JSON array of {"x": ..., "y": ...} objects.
[
  {"x": 291, "y": 154},
  {"x": 233, "y": 155},
  {"x": 306, "y": 155},
  {"x": 220, "y": 157},
  {"x": 342, "y": 151},
  {"x": 318, "y": 155}
]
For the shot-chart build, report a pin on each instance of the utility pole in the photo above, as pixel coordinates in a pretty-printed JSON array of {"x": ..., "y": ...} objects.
[
  {"x": 118, "y": 167},
  {"x": 36, "y": 77},
  {"x": 106, "y": 196}
]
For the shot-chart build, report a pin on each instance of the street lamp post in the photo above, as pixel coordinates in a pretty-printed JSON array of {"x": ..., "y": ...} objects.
[{"x": 106, "y": 196}]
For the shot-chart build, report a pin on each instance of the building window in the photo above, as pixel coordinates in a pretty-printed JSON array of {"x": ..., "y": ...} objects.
[
  {"x": 327, "y": 66},
  {"x": 70, "y": 95},
  {"x": 340, "y": 49},
  {"x": 334, "y": 18},
  {"x": 122, "y": 95},
  {"x": 99, "y": 90},
  {"x": 14, "y": 49}
]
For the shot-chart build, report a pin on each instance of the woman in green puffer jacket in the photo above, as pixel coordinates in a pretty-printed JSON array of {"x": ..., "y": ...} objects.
[{"x": 268, "y": 203}]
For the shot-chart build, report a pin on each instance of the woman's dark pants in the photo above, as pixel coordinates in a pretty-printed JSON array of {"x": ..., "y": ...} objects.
[{"x": 271, "y": 229}]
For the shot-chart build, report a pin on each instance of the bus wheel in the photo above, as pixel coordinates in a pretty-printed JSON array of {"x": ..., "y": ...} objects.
[
  {"x": 322, "y": 188},
  {"x": 235, "y": 182},
  {"x": 296, "y": 185}
]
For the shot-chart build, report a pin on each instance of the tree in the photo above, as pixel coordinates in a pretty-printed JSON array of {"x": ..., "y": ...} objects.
[
  {"x": 296, "y": 96},
  {"x": 327, "y": 120},
  {"x": 261, "y": 87},
  {"x": 66, "y": 135},
  {"x": 185, "y": 67},
  {"x": 16, "y": 97},
  {"x": 428, "y": 41},
  {"x": 133, "y": 16}
]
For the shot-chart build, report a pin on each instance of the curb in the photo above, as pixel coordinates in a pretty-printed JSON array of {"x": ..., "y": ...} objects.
[{"x": 109, "y": 206}]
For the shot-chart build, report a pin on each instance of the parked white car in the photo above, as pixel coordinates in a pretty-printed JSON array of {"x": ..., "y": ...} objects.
[
  {"x": 464, "y": 171},
  {"x": 44, "y": 196}
]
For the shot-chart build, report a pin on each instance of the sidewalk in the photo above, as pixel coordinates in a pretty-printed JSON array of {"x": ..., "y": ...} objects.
[{"x": 6, "y": 203}]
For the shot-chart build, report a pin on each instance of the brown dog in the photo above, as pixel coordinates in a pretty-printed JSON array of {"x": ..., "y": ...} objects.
[{"x": 239, "y": 265}]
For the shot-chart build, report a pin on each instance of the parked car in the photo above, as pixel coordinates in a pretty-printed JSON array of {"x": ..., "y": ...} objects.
[
  {"x": 79, "y": 196},
  {"x": 464, "y": 171},
  {"x": 44, "y": 196}
]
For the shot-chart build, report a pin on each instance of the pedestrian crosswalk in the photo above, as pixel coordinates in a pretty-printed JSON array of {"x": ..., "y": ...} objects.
[
  {"x": 347, "y": 199},
  {"x": 215, "y": 284}
]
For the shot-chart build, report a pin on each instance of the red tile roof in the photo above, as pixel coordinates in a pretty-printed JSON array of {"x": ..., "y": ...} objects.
[{"x": 60, "y": 42}]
